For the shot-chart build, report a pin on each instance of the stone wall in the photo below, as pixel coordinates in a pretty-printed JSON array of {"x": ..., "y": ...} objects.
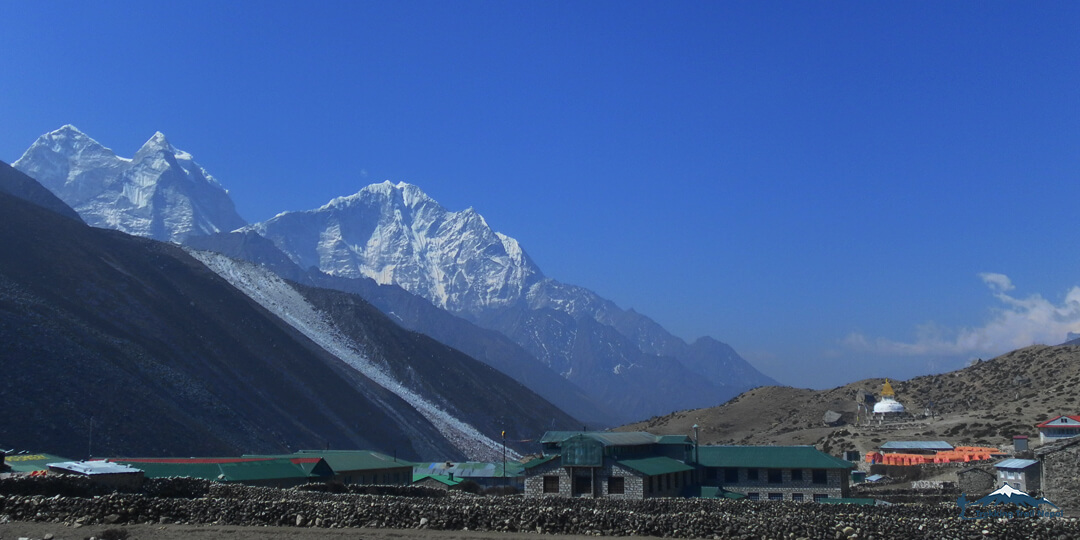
[
  {"x": 669, "y": 518},
  {"x": 1061, "y": 474},
  {"x": 976, "y": 481},
  {"x": 633, "y": 482}
]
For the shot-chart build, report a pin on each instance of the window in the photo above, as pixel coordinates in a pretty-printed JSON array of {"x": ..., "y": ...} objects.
[
  {"x": 551, "y": 484},
  {"x": 796, "y": 475},
  {"x": 753, "y": 496},
  {"x": 616, "y": 485},
  {"x": 751, "y": 474},
  {"x": 667, "y": 481},
  {"x": 776, "y": 476},
  {"x": 776, "y": 496},
  {"x": 818, "y": 497},
  {"x": 821, "y": 476},
  {"x": 652, "y": 480},
  {"x": 731, "y": 475},
  {"x": 797, "y": 497}
]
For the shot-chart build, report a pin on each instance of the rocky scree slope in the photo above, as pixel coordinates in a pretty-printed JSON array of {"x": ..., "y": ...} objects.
[{"x": 986, "y": 403}]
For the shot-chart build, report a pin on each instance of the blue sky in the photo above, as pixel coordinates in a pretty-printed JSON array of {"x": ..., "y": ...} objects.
[{"x": 838, "y": 190}]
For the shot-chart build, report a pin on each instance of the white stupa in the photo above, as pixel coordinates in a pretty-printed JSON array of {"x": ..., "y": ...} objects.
[{"x": 888, "y": 407}]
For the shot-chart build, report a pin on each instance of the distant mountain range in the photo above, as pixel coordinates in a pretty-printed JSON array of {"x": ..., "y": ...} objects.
[
  {"x": 617, "y": 365},
  {"x": 159, "y": 193},
  {"x": 115, "y": 344}
]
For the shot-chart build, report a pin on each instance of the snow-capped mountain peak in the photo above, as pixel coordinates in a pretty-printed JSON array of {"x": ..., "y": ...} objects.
[
  {"x": 161, "y": 192},
  {"x": 396, "y": 233},
  {"x": 157, "y": 143}
]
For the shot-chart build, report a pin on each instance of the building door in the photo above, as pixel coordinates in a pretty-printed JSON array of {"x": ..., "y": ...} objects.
[{"x": 582, "y": 485}]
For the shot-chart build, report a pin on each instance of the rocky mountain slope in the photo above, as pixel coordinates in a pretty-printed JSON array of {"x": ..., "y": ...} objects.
[
  {"x": 160, "y": 193},
  {"x": 986, "y": 403},
  {"x": 420, "y": 315},
  {"x": 19, "y": 185},
  {"x": 163, "y": 357},
  {"x": 396, "y": 234}
]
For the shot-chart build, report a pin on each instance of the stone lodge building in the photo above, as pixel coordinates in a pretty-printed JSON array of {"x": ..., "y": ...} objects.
[
  {"x": 633, "y": 465},
  {"x": 1061, "y": 472},
  {"x": 789, "y": 473},
  {"x": 641, "y": 465}
]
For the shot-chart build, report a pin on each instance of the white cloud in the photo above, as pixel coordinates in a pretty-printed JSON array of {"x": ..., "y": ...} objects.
[
  {"x": 998, "y": 282},
  {"x": 1020, "y": 322}
]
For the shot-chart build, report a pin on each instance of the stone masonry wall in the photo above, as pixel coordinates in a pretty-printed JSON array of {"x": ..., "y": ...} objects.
[
  {"x": 1061, "y": 477},
  {"x": 633, "y": 483}
]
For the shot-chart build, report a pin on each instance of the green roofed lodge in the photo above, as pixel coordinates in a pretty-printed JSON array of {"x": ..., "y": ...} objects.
[{"x": 640, "y": 465}]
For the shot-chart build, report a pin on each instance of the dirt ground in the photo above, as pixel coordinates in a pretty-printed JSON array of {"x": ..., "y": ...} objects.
[{"x": 16, "y": 530}]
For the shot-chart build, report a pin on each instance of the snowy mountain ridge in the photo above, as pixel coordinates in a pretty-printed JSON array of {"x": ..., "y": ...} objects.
[
  {"x": 161, "y": 192},
  {"x": 397, "y": 234}
]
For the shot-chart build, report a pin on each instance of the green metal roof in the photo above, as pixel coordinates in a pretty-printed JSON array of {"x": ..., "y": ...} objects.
[
  {"x": 769, "y": 457},
  {"x": 674, "y": 439},
  {"x": 607, "y": 438},
  {"x": 438, "y": 478},
  {"x": 219, "y": 469},
  {"x": 356, "y": 460},
  {"x": 540, "y": 461},
  {"x": 312, "y": 464},
  {"x": 26, "y": 463},
  {"x": 655, "y": 465}
]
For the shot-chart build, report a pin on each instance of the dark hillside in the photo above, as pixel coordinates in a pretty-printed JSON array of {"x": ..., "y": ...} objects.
[
  {"x": 167, "y": 358},
  {"x": 14, "y": 182}
]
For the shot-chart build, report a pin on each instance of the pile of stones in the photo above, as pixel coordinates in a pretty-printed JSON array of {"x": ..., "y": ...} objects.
[{"x": 195, "y": 502}]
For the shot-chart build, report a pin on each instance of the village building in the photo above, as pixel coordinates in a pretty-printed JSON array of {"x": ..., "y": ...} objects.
[
  {"x": 101, "y": 472},
  {"x": 435, "y": 481},
  {"x": 485, "y": 474},
  {"x": 29, "y": 463},
  {"x": 633, "y": 465},
  {"x": 1022, "y": 474},
  {"x": 639, "y": 465},
  {"x": 788, "y": 473},
  {"x": 1060, "y": 428},
  {"x": 252, "y": 471},
  {"x": 1060, "y": 478},
  {"x": 361, "y": 466},
  {"x": 976, "y": 480}
]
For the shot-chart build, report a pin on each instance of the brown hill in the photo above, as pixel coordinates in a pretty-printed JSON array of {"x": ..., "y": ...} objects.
[{"x": 984, "y": 404}]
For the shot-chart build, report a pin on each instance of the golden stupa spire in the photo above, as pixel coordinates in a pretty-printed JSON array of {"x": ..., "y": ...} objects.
[{"x": 887, "y": 391}]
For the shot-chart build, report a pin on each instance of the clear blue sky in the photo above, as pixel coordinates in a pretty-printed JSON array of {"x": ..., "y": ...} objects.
[{"x": 837, "y": 189}]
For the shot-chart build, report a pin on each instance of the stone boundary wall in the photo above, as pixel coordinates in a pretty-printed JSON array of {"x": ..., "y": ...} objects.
[
  {"x": 682, "y": 518},
  {"x": 1060, "y": 481}
]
